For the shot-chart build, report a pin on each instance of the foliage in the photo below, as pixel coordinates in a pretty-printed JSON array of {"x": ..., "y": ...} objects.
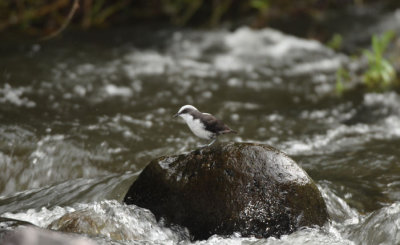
[
  {"x": 182, "y": 10},
  {"x": 335, "y": 42},
  {"x": 260, "y": 5},
  {"x": 46, "y": 16},
  {"x": 380, "y": 74},
  {"x": 342, "y": 76}
]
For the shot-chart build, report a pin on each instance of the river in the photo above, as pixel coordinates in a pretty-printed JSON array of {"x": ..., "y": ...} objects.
[{"x": 82, "y": 115}]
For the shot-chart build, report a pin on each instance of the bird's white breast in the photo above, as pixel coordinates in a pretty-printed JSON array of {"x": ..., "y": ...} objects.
[{"x": 197, "y": 127}]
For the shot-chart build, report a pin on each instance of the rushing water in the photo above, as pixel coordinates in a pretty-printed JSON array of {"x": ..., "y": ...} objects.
[{"x": 81, "y": 116}]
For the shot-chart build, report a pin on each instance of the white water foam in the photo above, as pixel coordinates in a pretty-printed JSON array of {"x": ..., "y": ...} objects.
[
  {"x": 108, "y": 219},
  {"x": 15, "y": 96},
  {"x": 342, "y": 136}
]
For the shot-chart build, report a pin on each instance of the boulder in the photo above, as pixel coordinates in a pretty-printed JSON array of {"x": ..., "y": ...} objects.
[
  {"x": 248, "y": 188},
  {"x": 119, "y": 222}
]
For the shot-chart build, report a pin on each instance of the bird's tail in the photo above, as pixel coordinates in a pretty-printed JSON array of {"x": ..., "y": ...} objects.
[{"x": 229, "y": 131}]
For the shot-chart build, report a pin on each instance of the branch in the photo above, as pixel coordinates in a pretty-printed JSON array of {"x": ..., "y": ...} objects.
[{"x": 71, "y": 14}]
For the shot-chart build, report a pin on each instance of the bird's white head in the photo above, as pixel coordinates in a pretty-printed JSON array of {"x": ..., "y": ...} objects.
[
  {"x": 186, "y": 109},
  {"x": 185, "y": 112}
]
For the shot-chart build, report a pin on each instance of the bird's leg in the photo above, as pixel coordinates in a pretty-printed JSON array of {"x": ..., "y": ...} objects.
[{"x": 212, "y": 142}]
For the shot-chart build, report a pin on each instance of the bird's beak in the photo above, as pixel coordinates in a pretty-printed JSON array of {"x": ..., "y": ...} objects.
[{"x": 174, "y": 116}]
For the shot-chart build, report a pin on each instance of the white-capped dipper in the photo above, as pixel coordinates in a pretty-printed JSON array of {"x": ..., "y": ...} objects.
[{"x": 203, "y": 125}]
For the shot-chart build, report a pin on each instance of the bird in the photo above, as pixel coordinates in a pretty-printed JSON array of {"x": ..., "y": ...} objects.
[{"x": 203, "y": 125}]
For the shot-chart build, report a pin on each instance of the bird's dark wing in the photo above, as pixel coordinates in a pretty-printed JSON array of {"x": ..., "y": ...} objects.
[{"x": 214, "y": 125}]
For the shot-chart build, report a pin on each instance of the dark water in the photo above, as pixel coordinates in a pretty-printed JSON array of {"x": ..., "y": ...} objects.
[{"x": 81, "y": 116}]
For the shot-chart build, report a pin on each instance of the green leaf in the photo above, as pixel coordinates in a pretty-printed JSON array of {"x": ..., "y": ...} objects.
[
  {"x": 380, "y": 73},
  {"x": 335, "y": 42},
  {"x": 260, "y": 4}
]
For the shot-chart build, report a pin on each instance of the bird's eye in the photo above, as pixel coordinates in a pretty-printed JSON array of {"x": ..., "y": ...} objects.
[{"x": 184, "y": 111}]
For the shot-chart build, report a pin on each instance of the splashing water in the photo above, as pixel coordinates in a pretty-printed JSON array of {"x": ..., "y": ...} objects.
[{"x": 77, "y": 125}]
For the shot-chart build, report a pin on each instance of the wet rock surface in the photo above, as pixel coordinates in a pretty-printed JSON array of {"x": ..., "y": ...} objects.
[
  {"x": 118, "y": 222},
  {"x": 249, "y": 188}
]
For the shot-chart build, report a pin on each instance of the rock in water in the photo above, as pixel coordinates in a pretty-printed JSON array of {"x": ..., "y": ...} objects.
[
  {"x": 118, "y": 222},
  {"x": 249, "y": 188}
]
